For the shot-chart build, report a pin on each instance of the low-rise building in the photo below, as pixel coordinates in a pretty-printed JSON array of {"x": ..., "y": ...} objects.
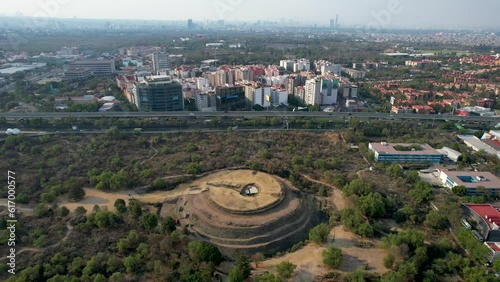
[
  {"x": 473, "y": 181},
  {"x": 97, "y": 67},
  {"x": 477, "y": 145},
  {"x": 404, "y": 153},
  {"x": 451, "y": 154},
  {"x": 77, "y": 74},
  {"x": 494, "y": 248},
  {"x": 487, "y": 218}
]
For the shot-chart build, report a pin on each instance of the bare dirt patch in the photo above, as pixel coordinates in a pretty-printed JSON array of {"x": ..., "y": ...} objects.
[
  {"x": 104, "y": 199},
  {"x": 333, "y": 136},
  {"x": 309, "y": 259},
  {"x": 225, "y": 187},
  {"x": 356, "y": 257}
]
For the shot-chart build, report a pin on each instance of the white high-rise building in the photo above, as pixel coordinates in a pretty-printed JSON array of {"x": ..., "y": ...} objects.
[
  {"x": 258, "y": 95},
  {"x": 329, "y": 91},
  {"x": 302, "y": 65},
  {"x": 313, "y": 92},
  {"x": 354, "y": 91},
  {"x": 161, "y": 61},
  {"x": 279, "y": 97},
  {"x": 332, "y": 68},
  {"x": 206, "y": 102}
]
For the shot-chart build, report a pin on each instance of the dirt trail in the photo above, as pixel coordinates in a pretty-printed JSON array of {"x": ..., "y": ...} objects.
[
  {"x": 39, "y": 250},
  {"x": 154, "y": 155},
  {"x": 337, "y": 197},
  {"x": 4, "y": 203}
]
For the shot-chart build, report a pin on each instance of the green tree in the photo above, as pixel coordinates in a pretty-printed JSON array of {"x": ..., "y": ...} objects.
[
  {"x": 135, "y": 208},
  {"x": 236, "y": 275},
  {"x": 357, "y": 275},
  {"x": 389, "y": 261},
  {"x": 116, "y": 277},
  {"x": 285, "y": 269},
  {"x": 159, "y": 183},
  {"x": 204, "y": 252},
  {"x": 76, "y": 266},
  {"x": 395, "y": 170},
  {"x": 133, "y": 264},
  {"x": 63, "y": 211},
  {"x": 412, "y": 177},
  {"x": 76, "y": 193},
  {"x": 436, "y": 220},
  {"x": 113, "y": 133},
  {"x": 357, "y": 187},
  {"x": 422, "y": 192},
  {"x": 168, "y": 225},
  {"x": 372, "y": 205},
  {"x": 100, "y": 278},
  {"x": 120, "y": 206},
  {"x": 243, "y": 262},
  {"x": 118, "y": 180},
  {"x": 351, "y": 218},
  {"x": 319, "y": 234},
  {"x": 496, "y": 265},
  {"x": 150, "y": 221},
  {"x": 365, "y": 230},
  {"x": 332, "y": 256},
  {"x": 460, "y": 190},
  {"x": 267, "y": 277}
]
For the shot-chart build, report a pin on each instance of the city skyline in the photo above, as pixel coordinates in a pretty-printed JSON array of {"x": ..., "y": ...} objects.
[{"x": 376, "y": 13}]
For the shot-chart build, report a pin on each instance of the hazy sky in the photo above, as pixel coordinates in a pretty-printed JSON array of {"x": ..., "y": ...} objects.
[{"x": 359, "y": 12}]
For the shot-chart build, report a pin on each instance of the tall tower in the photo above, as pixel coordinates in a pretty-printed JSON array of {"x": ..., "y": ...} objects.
[
  {"x": 337, "y": 21},
  {"x": 190, "y": 24},
  {"x": 332, "y": 23}
]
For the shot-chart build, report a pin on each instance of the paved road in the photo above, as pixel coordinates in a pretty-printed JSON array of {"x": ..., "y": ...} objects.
[{"x": 246, "y": 115}]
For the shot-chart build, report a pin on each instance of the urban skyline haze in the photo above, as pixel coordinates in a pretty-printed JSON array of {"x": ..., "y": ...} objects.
[{"x": 385, "y": 13}]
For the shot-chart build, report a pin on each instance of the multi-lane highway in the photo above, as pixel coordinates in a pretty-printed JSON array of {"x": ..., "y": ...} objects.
[{"x": 262, "y": 114}]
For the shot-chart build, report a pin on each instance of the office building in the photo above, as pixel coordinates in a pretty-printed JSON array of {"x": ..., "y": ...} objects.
[
  {"x": 332, "y": 23},
  {"x": 329, "y": 91},
  {"x": 97, "y": 67},
  {"x": 161, "y": 62},
  {"x": 230, "y": 98},
  {"x": 158, "y": 94},
  {"x": 77, "y": 74},
  {"x": 403, "y": 153},
  {"x": 476, "y": 182},
  {"x": 190, "y": 24},
  {"x": 487, "y": 220}
]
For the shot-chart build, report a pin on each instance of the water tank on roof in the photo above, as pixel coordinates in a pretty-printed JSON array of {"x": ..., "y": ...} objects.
[
  {"x": 9, "y": 131},
  {"x": 16, "y": 131}
]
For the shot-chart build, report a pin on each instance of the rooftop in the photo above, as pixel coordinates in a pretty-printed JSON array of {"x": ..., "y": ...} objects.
[
  {"x": 474, "y": 179},
  {"x": 478, "y": 144},
  {"x": 494, "y": 246},
  {"x": 389, "y": 148},
  {"x": 92, "y": 62},
  {"x": 487, "y": 212}
]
